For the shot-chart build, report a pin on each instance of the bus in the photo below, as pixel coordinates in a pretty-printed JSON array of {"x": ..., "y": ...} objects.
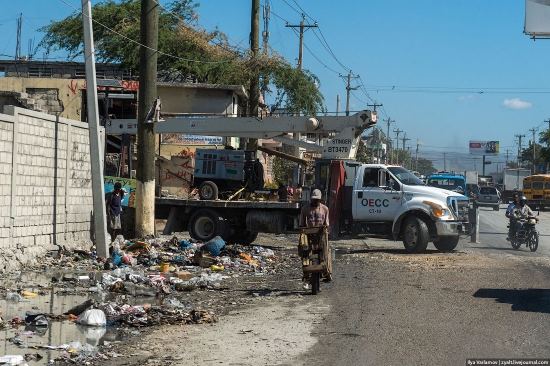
[{"x": 536, "y": 188}]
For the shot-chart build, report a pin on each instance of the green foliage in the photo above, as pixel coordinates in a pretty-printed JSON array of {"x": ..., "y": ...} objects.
[
  {"x": 181, "y": 44},
  {"x": 363, "y": 153},
  {"x": 425, "y": 166}
]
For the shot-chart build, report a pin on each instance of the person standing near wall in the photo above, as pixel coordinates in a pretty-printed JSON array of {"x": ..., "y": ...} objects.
[{"x": 113, "y": 201}]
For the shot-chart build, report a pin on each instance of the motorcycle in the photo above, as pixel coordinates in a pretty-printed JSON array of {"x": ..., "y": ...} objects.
[{"x": 527, "y": 235}]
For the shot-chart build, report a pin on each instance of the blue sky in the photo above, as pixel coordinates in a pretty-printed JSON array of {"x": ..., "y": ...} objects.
[{"x": 446, "y": 71}]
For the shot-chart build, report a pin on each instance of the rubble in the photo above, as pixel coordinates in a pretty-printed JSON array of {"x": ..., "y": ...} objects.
[{"x": 160, "y": 271}]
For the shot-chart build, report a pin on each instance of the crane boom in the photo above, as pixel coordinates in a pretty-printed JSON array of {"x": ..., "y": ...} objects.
[{"x": 343, "y": 145}]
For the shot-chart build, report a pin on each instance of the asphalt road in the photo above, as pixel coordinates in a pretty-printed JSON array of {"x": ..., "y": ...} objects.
[
  {"x": 386, "y": 307},
  {"x": 493, "y": 231}
]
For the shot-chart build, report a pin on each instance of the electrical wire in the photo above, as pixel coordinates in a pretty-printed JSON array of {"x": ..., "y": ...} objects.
[
  {"x": 183, "y": 22},
  {"x": 149, "y": 48}
]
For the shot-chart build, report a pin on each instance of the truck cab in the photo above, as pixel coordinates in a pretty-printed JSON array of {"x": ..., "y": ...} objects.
[{"x": 391, "y": 201}]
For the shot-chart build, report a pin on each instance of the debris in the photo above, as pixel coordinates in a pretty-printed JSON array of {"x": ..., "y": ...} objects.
[{"x": 92, "y": 317}]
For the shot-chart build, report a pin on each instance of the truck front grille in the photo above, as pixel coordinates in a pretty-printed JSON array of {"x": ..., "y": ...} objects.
[{"x": 460, "y": 207}]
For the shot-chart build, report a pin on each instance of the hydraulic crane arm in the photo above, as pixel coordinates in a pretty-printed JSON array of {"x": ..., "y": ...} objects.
[{"x": 343, "y": 145}]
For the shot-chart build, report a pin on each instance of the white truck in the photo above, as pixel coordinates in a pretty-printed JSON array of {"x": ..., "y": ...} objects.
[
  {"x": 392, "y": 202},
  {"x": 512, "y": 182}
]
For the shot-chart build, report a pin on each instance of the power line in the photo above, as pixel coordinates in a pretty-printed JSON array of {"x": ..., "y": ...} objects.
[{"x": 149, "y": 48}]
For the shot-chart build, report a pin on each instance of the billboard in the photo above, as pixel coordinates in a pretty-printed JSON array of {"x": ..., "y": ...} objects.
[
  {"x": 537, "y": 18},
  {"x": 129, "y": 185},
  {"x": 484, "y": 147}
]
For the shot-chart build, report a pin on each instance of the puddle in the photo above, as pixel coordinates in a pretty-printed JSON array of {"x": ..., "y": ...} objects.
[{"x": 57, "y": 300}]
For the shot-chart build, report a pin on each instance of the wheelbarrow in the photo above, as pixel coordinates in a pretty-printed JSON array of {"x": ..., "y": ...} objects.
[{"x": 315, "y": 253}]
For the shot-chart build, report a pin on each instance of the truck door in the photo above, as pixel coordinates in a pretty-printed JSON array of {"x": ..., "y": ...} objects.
[{"x": 377, "y": 195}]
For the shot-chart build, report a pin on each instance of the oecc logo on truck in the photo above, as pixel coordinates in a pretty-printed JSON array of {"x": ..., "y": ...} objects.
[{"x": 484, "y": 147}]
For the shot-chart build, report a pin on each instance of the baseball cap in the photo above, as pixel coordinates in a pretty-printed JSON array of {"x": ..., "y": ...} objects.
[{"x": 316, "y": 194}]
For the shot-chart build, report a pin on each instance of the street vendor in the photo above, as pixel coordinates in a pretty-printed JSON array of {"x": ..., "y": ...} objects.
[{"x": 314, "y": 214}]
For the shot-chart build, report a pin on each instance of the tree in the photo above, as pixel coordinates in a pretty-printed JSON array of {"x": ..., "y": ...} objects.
[
  {"x": 186, "y": 52},
  {"x": 425, "y": 166}
]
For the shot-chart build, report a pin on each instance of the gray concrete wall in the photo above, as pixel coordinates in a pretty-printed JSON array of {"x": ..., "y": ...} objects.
[{"x": 45, "y": 186}]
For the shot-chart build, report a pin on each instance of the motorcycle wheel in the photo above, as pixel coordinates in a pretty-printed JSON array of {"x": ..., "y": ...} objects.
[
  {"x": 516, "y": 243},
  {"x": 533, "y": 241}
]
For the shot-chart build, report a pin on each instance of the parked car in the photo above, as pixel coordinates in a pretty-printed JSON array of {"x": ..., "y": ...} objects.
[{"x": 488, "y": 196}]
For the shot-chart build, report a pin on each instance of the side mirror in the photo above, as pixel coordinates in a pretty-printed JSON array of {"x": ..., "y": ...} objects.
[{"x": 381, "y": 178}]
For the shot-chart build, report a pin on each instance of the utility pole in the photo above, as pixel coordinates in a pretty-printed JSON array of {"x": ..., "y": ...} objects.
[
  {"x": 296, "y": 136},
  {"x": 96, "y": 152},
  {"x": 388, "y": 140},
  {"x": 405, "y": 139},
  {"x": 302, "y": 27},
  {"x": 18, "y": 44},
  {"x": 416, "y": 158},
  {"x": 519, "y": 148},
  {"x": 534, "y": 147},
  {"x": 337, "y": 104},
  {"x": 397, "y": 132},
  {"x": 145, "y": 183},
  {"x": 507, "y": 153},
  {"x": 444, "y": 162},
  {"x": 254, "y": 83},
  {"x": 348, "y": 90}
]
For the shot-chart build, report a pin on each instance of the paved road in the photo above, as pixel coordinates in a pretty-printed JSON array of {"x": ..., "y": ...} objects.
[
  {"x": 493, "y": 231},
  {"x": 387, "y": 307}
]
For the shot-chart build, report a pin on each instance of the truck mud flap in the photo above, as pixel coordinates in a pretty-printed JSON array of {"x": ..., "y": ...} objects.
[{"x": 266, "y": 222}]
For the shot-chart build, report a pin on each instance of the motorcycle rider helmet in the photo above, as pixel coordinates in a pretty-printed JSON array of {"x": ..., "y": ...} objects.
[{"x": 522, "y": 198}]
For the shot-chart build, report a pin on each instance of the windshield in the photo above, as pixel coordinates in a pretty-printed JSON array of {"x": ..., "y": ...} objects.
[
  {"x": 405, "y": 176},
  {"x": 446, "y": 183}
]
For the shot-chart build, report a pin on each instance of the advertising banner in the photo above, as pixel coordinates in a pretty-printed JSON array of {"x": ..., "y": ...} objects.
[
  {"x": 484, "y": 147},
  {"x": 129, "y": 185},
  {"x": 184, "y": 139},
  {"x": 537, "y": 18}
]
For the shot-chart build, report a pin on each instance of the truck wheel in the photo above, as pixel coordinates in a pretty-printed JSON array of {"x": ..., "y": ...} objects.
[
  {"x": 415, "y": 235},
  {"x": 446, "y": 243},
  {"x": 206, "y": 224},
  {"x": 496, "y": 208},
  {"x": 208, "y": 190}
]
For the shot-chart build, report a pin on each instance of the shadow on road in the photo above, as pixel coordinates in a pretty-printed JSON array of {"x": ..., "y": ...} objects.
[{"x": 532, "y": 300}]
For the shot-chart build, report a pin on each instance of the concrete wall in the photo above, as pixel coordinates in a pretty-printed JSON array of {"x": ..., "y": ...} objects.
[
  {"x": 54, "y": 96},
  {"x": 45, "y": 185}
]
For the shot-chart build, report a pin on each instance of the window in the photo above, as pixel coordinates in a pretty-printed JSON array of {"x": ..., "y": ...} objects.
[
  {"x": 526, "y": 185},
  {"x": 370, "y": 178},
  {"x": 209, "y": 164}
]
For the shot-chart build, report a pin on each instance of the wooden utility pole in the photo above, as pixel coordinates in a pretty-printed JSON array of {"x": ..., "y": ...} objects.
[
  {"x": 296, "y": 136},
  {"x": 534, "y": 151},
  {"x": 388, "y": 141},
  {"x": 255, "y": 82},
  {"x": 96, "y": 152},
  {"x": 145, "y": 185},
  {"x": 348, "y": 91},
  {"x": 519, "y": 149},
  {"x": 397, "y": 132}
]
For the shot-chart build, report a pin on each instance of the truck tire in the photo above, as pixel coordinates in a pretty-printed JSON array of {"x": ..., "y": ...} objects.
[
  {"x": 415, "y": 235},
  {"x": 208, "y": 191},
  {"x": 496, "y": 208},
  {"x": 446, "y": 243},
  {"x": 206, "y": 224}
]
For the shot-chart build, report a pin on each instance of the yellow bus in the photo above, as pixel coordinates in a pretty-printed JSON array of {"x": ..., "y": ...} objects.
[{"x": 536, "y": 188}]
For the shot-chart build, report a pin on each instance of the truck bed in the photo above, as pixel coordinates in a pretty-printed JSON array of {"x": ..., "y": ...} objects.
[{"x": 269, "y": 205}]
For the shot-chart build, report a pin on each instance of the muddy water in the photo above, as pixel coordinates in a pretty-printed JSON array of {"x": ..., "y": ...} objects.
[{"x": 59, "y": 298}]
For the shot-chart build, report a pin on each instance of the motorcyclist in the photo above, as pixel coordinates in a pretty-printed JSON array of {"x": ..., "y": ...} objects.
[
  {"x": 521, "y": 212},
  {"x": 509, "y": 215}
]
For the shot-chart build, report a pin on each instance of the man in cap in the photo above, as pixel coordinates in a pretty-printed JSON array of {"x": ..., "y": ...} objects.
[{"x": 314, "y": 214}]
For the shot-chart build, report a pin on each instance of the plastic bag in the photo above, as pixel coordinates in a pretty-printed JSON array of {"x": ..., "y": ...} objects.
[{"x": 95, "y": 317}]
